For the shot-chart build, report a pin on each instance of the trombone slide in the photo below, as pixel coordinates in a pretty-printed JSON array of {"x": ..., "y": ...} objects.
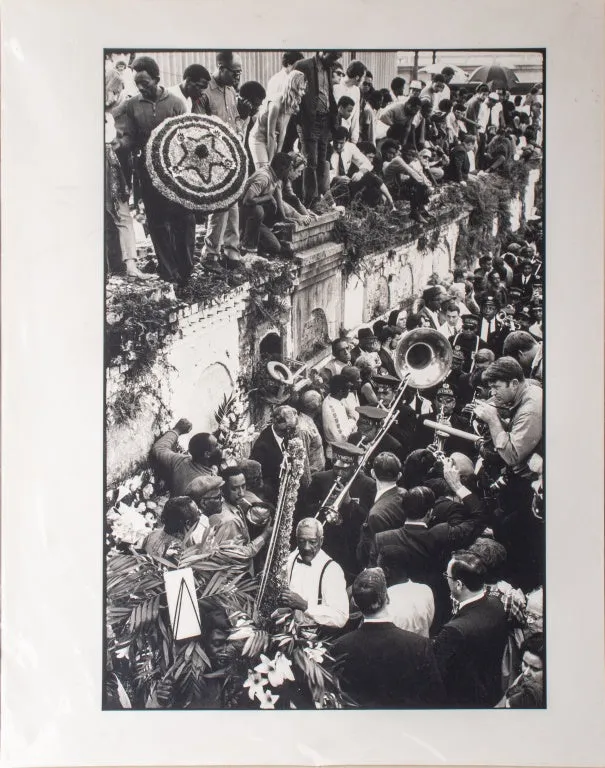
[{"x": 451, "y": 431}]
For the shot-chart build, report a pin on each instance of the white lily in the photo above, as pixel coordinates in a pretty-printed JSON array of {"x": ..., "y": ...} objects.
[{"x": 255, "y": 685}]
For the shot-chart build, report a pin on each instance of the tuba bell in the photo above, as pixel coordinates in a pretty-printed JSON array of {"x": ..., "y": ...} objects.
[{"x": 423, "y": 357}]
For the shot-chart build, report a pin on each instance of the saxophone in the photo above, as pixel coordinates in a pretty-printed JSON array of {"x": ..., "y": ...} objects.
[{"x": 272, "y": 578}]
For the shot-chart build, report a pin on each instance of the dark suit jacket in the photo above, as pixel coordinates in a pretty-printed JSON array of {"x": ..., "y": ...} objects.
[
  {"x": 526, "y": 290},
  {"x": 387, "y": 513},
  {"x": 469, "y": 652},
  {"x": 308, "y": 105},
  {"x": 268, "y": 453},
  {"x": 340, "y": 541},
  {"x": 385, "y": 667},
  {"x": 387, "y": 363}
]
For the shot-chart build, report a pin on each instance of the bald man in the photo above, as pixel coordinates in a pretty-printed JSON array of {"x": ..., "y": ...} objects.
[{"x": 316, "y": 584}]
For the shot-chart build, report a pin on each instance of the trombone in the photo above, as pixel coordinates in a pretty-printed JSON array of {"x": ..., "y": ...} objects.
[{"x": 422, "y": 358}]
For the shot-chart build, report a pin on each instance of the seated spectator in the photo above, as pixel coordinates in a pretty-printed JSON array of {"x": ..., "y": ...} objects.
[
  {"x": 337, "y": 425},
  {"x": 262, "y": 206},
  {"x": 404, "y": 180},
  {"x": 351, "y": 174},
  {"x": 431, "y": 168},
  {"x": 459, "y": 165},
  {"x": 341, "y": 353}
]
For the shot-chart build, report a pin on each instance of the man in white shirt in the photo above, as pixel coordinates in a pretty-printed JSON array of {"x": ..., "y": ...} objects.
[
  {"x": 453, "y": 323},
  {"x": 277, "y": 83},
  {"x": 337, "y": 424},
  {"x": 346, "y": 184},
  {"x": 316, "y": 584},
  {"x": 195, "y": 81},
  {"x": 411, "y": 604},
  {"x": 350, "y": 87},
  {"x": 434, "y": 92},
  {"x": 397, "y": 87}
]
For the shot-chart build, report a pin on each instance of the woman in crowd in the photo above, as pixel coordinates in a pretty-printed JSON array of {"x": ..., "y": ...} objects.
[{"x": 269, "y": 131}]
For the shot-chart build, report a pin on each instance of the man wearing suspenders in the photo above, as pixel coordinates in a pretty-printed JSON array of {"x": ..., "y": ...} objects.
[{"x": 316, "y": 583}]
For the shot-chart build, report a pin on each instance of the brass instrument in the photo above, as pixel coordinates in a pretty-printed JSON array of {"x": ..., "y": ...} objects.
[
  {"x": 288, "y": 381},
  {"x": 507, "y": 321},
  {"x": 422, "y": 358},
  {"x": 436, "y": 447}
]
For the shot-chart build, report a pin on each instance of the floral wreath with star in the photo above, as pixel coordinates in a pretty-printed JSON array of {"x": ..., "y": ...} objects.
[{"x": 197, "y": 161}]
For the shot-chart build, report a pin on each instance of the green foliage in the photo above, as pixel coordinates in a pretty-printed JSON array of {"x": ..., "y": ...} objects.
[{"x": 141, "y": 648}]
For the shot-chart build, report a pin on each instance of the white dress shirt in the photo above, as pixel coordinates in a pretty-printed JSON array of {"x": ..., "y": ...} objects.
[
  {"x": 350, "y": 154},
  {"x": 412, "y": 607},
  {"x": 333, "y": 608},
  {"x": 448, "y": 330},
  {"x": 487, "y": 326}
]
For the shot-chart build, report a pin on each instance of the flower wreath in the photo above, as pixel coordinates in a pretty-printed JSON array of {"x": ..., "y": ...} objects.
[{"x": 197, "y": 161}]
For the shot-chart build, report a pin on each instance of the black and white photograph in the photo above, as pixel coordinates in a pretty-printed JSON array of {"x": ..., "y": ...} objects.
[
  {"x": 302, "y": 375},
  {"x": 324, "y": 379}
]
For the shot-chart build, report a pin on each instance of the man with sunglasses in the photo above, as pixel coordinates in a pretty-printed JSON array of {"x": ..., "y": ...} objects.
[
  {"x": 316, "y": 120},
  {"x": 220, "y": 99}
]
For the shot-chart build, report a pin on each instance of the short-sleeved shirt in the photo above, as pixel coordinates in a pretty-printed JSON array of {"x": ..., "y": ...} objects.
[
  {"x": 220, "y": 101},
  {"x": 262, "y": 182}
]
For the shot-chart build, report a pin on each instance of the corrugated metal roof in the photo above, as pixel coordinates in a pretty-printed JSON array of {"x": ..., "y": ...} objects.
[{"x": 262, "y": 65}]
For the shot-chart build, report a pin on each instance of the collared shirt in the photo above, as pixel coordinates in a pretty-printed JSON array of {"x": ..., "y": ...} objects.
[
  {"x": 137, "y": 117},
  {"x": 220, "y": 101},
  {"x": 382, "y": 490},
  {"x": 412, "y": 607},
  {"x": 487, "y": 327},
  {"x": 278, "y": 439},
  {"x": 335, "y": 366},
  {"x": 350, "y": 154},
  {"x": 470, "y": 600},
  {"x": 434, "y": 316},
  {"x": 449, "y": 330},
  {"x": 525, "y": 428},
  {"x": 262, "y": 182},
  {"x": 352, "y": 91},
  {"x": 328, "y": 603},
  {"x": 336, "y": 423}
]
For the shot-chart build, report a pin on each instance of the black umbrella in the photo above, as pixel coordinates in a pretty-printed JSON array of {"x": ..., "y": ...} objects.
[{"x": 495, "y": 75}]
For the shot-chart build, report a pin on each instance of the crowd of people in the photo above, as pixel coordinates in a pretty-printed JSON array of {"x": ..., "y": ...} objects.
[
  {"x": 318, "y": 135},
  {"x": 417, "y": 549},
  {"x": 425, "y": 567}
]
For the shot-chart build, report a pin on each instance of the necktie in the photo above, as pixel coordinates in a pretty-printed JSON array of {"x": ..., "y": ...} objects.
[
  {"x": 302, "y": 562},
  {"x": 341, "y": 165}
]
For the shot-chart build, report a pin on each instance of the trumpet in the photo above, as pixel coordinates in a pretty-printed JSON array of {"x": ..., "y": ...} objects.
[{"x": 507, "y": 321}]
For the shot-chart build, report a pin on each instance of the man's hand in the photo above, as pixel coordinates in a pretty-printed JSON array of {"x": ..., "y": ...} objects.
[
  {"x": 293, "y": 600},
  {"x": 451, "y": 475},
  {"x": 487, "y": 413},
  {"x": 357, "y": 176},
  {"x": 183, "y": 426}
]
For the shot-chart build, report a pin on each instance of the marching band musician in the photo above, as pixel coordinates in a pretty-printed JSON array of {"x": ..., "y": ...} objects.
[
  {"x": 316, "y": 582},
  {"x": 368, "y": 426},
  {"x": 469, "y": 341},
  {"x": 445, "y": 404},
  {"x": 341, "y": 540}
]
